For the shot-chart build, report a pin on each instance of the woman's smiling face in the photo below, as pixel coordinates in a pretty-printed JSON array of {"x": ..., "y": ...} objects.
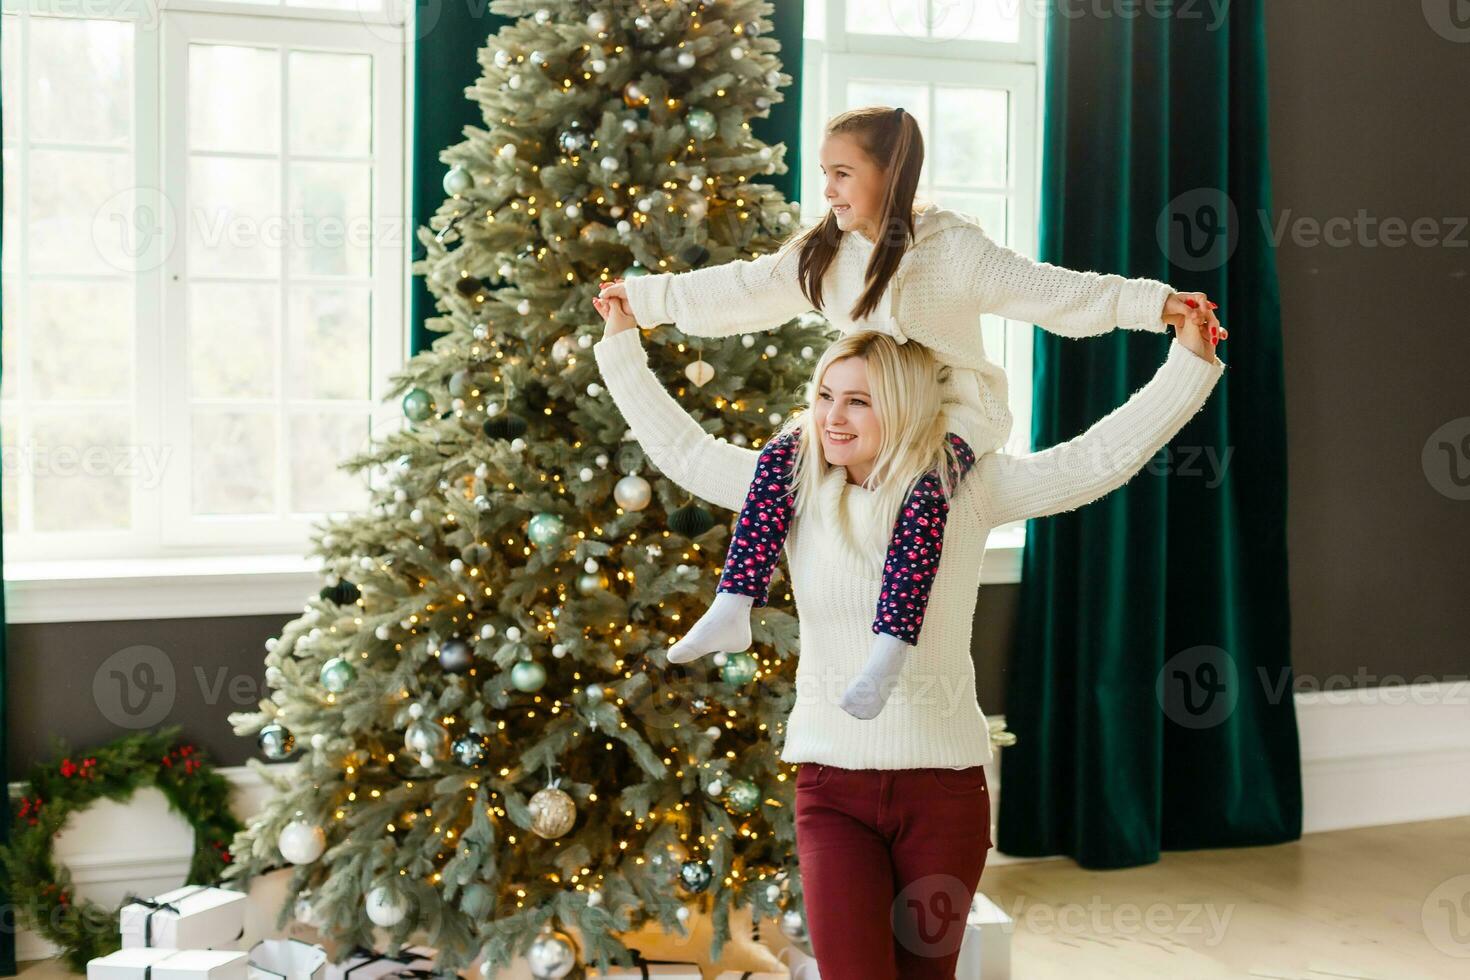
[
  {"x": 845, "y": 418},
  {"x": 852, "y": 185}
]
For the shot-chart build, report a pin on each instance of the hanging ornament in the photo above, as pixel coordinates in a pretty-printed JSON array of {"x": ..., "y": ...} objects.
[
  {"x": 545, "y": 529},
  {"x": 634, "y": 270},
  {"x": 694, "y": 254},
  {"x": 691, "y": 520},
  {"x": 528, "y": 676},
  {"x": 470, "y": 750},
  {"x": 462, "y": 384},
  {"x": 344, "y": 593},
  {"x": 552, "y": 955},
  {"x": 632, "y": 492},
  {"x": 506, "y": 425},
  {"x": 701, "y": 372},
  {"x": 456, "y": 656},
  {"x": 564, "y": 347},
  {"x": 702, "y": 124},
  {"x": 426, "y": 739},
  {"x": 738, "y": 669},
  {"x": 276, "y": 742},
  {"x": 591, "y": 583},
  {"x": 301, "y": 842},
  {"x": 553, "y": 812},
  {"x": 457, "y": 181},
  {"x": 385, "y": 907},
  {"x": 686, "y": 59},
  {"x": 598, "y": 21},
  {"x": 743, "y": 796},
  {"x": 418, "y": 405},
  {"x": 634, "y": 96},
  {"x": 337, "y": 675},
  {"x": 695, "y": 875},
  {"x": 573, "y": 139},
  {"x": 793, "y": 926}
]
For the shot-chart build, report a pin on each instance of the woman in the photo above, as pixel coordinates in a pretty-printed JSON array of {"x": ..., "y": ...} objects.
[
  {"x": 893, "y": 814},
  {"x": 875, "y": 262}
]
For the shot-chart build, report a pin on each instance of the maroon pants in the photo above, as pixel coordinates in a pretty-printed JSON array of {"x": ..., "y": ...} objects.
[{"x": 890, "y": 860}]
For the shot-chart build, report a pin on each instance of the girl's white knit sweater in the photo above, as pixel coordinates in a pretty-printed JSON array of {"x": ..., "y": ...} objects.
[
  {"x": 951, "y": 273},
  {"x": 933, "y": 717}
]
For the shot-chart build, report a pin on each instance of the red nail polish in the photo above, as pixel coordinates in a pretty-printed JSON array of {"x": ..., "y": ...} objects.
[
  {"x": 1214, "y": 305},
  {"x": 1190, "y": 303}
]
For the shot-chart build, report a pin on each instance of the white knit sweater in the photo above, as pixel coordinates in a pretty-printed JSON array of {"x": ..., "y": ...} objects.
[
  {"x": 933, "y": 717},
  {"x": 951, "y": 273}
]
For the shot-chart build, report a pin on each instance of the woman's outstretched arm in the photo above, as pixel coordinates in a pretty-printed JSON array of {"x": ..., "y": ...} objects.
[
  {"x": 713, "y": 470},
  {"x": 1108, "y": 454},
  {"x": 723, "y": 300},
  {"x": 1065, "y": 301}
]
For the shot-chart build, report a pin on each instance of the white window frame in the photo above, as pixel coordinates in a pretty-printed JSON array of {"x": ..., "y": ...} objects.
[
  {"x": 827, "y": 65},
  {"x": 234, "y": 565}
]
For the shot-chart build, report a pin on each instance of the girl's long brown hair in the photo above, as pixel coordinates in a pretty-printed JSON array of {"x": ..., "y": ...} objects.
[{"x": 891, "y": 139}]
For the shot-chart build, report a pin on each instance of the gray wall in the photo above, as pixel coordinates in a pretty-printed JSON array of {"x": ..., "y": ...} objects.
[{"x": 1367, "y": 113}]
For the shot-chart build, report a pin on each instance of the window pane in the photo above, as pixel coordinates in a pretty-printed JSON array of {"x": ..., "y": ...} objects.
[
  {"x": 232, "y": 340},
  {"x": 10, "y": 328},
  {"x": 914, "y": 98},
  {"x": 10, "y": 472},
  {"x": 14, "y": 194},
  {"x": 234, "y": 462},
  {"x": 327, "y": 347},
  {"x": 234, "y": 217},
  {"x": 367, "y": 6},
  {"x": 968, "y": 142},
  {"x": 991, "y": 20},
  {"x": 9, "y": 73},
  {"x": 81, "y": 75},
  {"x": 234, "y": 98},
  {"x": 81, "y": 340},
  {"x": 814, "y": 20},
  {"x": 76, "y": 197},
  {"x": 78, "y": 468},
  {"x": 331, "y": 105},
  {"x": 988, "y": 209},
  {"x": 332, "y": 204},
  {"x": 319, "y": 442},
  {"x": 902, "y": 17}
]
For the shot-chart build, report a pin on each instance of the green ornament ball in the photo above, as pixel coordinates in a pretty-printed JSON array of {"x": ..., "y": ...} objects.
[
  {"x": 691, "y": 520},
  {"x": 457, "y": 181},
  {"x": 505, "y": 426},
  {"x": 528, "y": 676},
  {"x": 743, "y": 796},
  {"x": 418, "y": 405},
  {"x": 545, "y": 529},
  {"x": 702, "y": 123},
  {"x": 738, "y": 670},
  {"x": 634, "y": 271},
  {"x": 337, "y": 675}
]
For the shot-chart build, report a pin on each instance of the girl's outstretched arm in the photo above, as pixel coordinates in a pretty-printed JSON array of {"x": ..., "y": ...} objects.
[
  {"x": 1108, "y": 454},
  {"x": 723, "y": 300},
  {"x": 713, "y": 470}
]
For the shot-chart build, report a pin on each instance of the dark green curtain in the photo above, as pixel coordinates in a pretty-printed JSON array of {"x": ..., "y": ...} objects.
[
  {"x": 1150, "y": 690},
  {"x": 7, "y": 912},
  {"x": 445, "y": 64}
]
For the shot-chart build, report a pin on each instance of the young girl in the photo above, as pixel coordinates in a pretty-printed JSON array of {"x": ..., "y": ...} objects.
[
  {"x": 892, "y": 813},
  {"x": 885, "y": 263}
]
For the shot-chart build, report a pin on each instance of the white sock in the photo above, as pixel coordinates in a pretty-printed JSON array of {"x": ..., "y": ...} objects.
[
  {"x": 869, "y": 690},
  {"x": 724, "y": 628}
]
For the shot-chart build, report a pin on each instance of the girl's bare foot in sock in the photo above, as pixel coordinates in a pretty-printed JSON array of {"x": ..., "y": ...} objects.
[
  {"x": 869, "y": 690},
  {"x": 724, "y": 628}
]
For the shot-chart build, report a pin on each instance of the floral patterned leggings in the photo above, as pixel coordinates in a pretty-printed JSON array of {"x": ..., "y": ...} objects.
[{"x": 913, "y": 552}]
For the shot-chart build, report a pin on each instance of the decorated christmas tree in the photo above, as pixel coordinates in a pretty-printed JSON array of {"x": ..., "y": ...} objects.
[{"x": 489, "y": 747}]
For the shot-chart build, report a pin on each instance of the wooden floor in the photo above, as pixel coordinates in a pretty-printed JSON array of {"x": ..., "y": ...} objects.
[{"x": 1385, "y": 903}]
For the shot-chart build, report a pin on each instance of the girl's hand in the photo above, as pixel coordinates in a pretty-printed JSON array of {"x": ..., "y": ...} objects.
[
  {"x": 616, "y": 290},
  {"x": 1196, "y": 310},
  {"x": 1198, "y": 337},
  {"x": 615, "y": 314}
]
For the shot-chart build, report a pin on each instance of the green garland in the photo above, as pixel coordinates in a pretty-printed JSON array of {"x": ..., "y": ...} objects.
[{"x": 42, "y": 893}]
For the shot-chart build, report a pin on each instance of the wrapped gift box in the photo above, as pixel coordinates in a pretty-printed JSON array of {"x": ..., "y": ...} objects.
[
  {"x": 287, "y": 959},
  {"x": 192, "y": 917},
  {"x": 365, "y": 964},
  {"x": 985, "y": 953},
  {"x": 644, "y": 969},
  {"x": 161, "y": 963}
]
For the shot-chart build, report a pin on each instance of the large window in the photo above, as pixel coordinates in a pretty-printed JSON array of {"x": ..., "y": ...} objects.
[
  {"x": 204, "y": 260},
  {"x": 968, "y": 73}
]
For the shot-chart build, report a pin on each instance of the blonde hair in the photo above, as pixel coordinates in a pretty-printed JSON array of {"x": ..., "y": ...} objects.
[{"x": 905, "y": 383}]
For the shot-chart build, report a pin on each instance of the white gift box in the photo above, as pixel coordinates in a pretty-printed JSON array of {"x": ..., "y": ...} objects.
[
  {"x": 287, "y": 959},
  {"x": 192, "y": 917},
  {"x": 652, "y": 968},
  {"x": 365, "y": 964},
  {"x": 162, "y": 963},
  {"x": 748, "y": 975},
  {"x": 985, "y": 952}
]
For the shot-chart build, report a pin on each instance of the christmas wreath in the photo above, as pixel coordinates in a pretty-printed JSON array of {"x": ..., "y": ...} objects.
[{"x": 42, "y": 893}]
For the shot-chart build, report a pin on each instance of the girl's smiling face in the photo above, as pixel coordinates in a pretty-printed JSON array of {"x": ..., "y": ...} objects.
[
  {"x": 852, "y": 185},
  {"x": 849, "y": 427}
]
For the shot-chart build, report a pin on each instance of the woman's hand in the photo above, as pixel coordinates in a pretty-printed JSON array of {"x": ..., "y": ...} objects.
[
  {"x": 1194, "y": 309},
  {"x": 1198, "y": 337},
  {"x": 615, "y": 314},
  {"x": 616, "y": 290}
]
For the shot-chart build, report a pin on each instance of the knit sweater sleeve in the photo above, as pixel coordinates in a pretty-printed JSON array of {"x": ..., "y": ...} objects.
[
  {"x": 722, "y": 300},
  {"x": 1107, "y": 455},
  {"x": 707, "y": 467},
  {"x": 1064, "y": 301}
]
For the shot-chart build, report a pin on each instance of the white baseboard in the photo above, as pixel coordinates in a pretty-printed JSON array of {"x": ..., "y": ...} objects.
[{"x": 1370, "y": 756}]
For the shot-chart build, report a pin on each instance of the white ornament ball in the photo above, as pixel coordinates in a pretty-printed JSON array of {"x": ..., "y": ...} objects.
[
  {"x": 594, "y": 897},
  {"x": 416, "y": 515},
  {"x": 594, "y": 389},
  {"x": 586, "y": 474},
  {"x": 301, "y": 842},
  {"x": 415, "y": 710},
  {"x": 508, "y": 151},
  {"x": 515, "y": 81},
  {"x": 770, "y": 350},
  {"x": 609, "y": 163},
  {"x": 602, "y": 460},
  {"x": 584, "y": 341},
  {"x": 517, "y": 444},
  {"x": 686, "y": 59},
  {"x": 523, "y": 307},
  {"x": 502, "y": 59},
  {"x": 624, "y": 227},
  {"x": 543, "y": 16},
  {"x": 590, "y": 566},
  {"x": 775, "y": 418},
  {"x": 807, "y": 353},
  {"x": 487, "y": 631},
  {"x": 746, "y": 340},
  {"x": 633, "y": 493},
  {"x": 385, "y": 908},
  {"x": 630, "y": 125},
  {"x": 599, "y": 66},
  {"x": 598, "y": 21},
  {"x": 574, "y": 211},
  {"x": 513, "y": 634},
  {"x": 319, "y": 741},
  {"x": 715, "y": 788},
  {"x": 736, "y": 53}
]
